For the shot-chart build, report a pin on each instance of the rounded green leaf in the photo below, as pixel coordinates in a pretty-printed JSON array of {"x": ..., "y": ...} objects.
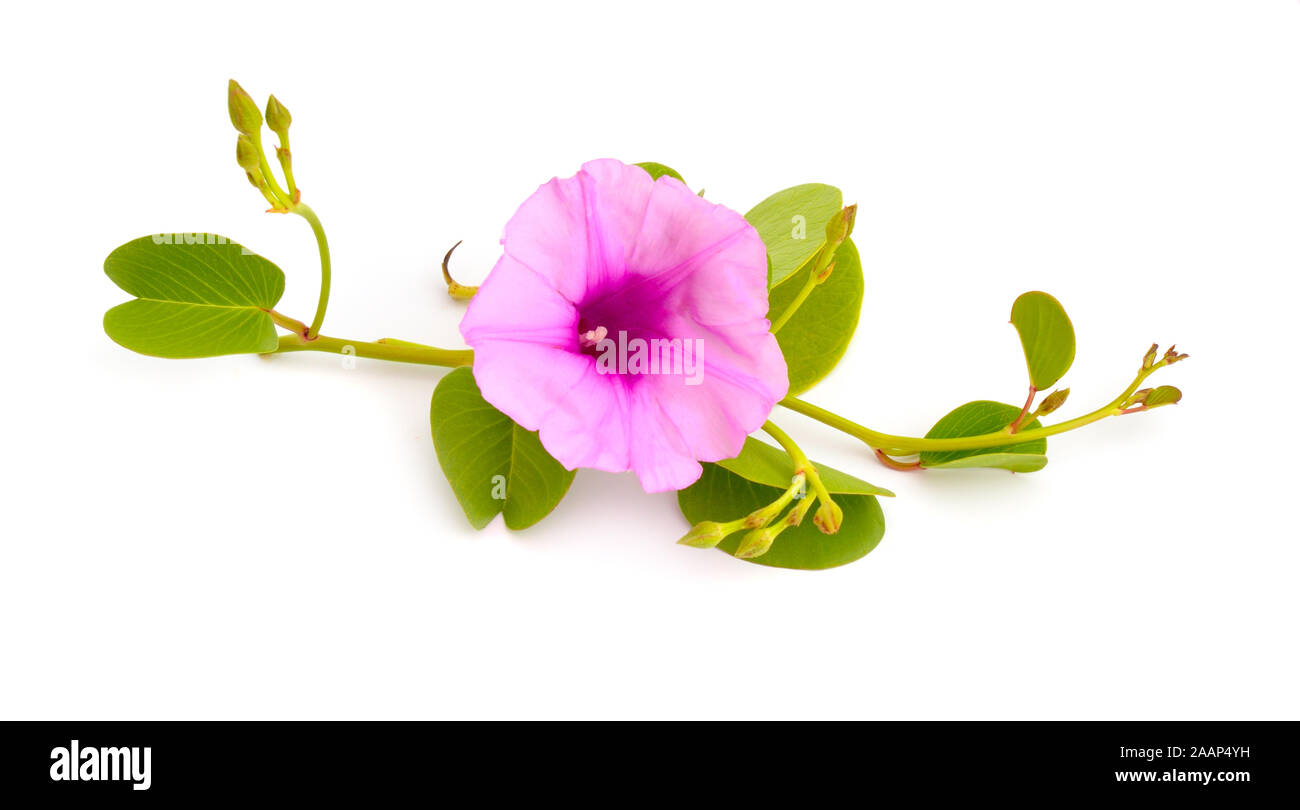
[
  {"x": 735, "y": 487},
  {"x": 493, "y": 465},
  {"x": 1046, "y": 335},
  {"x": 818, "y": 334},
  {"x": 792, "y": 223},
  {"x": 658, "y": 170},
  {"x": 197, "y": 295},
  {"x": 979, "y": 418}
]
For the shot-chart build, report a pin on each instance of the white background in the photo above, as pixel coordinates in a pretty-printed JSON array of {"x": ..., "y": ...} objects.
[{"x": 250, "y": 538}]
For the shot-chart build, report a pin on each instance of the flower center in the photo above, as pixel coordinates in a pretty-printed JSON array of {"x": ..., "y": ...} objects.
[{"x": 587, "y": 340}]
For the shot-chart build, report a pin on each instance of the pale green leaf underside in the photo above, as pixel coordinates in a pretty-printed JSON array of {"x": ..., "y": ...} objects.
[
  {"x": 196, "y": 297},
  {"x": 978, "y": 418},
  {"x": 722, "y": 495},
  {"x": 818, "y": 334},
  {"x": 764, "y": 464},
  {"x": 476, "y": 443},
  {"x": 1015, "y": 462},
  {"x": 1046, "y": 335},
  {"x": 792, "y": 223}
]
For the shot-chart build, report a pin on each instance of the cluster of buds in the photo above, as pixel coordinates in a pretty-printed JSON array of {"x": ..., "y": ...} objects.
[
  {"x": 1147, "y": 398},
  {"x": 763, "y": 524},
  {"x": 1171, "y": 356},
  {"x": 250, "y": 155}
]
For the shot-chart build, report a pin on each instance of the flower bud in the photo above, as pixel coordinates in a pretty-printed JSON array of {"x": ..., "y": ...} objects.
[
  {"x": 705, "y": 534},
  {"x": 840, "y": 226},
  {"x": 243, "y": 110},
  {"x": 1149, "y": 360},
  {"x": 1172, "y": 356},
  {"x": 828, "y": 517},
  {"x": 1052, "y": 401},
  {"x": 277, "y": 117},
  {"x": 246, "y": 154},
  {"x": 756, "y": 543}
]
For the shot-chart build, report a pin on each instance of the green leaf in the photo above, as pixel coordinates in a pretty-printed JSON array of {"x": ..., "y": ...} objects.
[
  {"x": 818, "y": 334},
  {"x": 976, "y": 419},
  {"x": 733, "y": 488},
  {"x": 792, "y": 224},
  {"x": 1046, "y": 335},
  {"x": 493, "y": 465},
  {"x": 197, "y": 295},
  {"x": 658, "y": 170}
]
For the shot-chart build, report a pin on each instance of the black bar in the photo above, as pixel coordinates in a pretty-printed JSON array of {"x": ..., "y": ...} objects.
[{"x": 616, "y": 761}]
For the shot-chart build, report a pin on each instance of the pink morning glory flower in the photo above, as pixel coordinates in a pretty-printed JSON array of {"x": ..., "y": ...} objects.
[{"x": 627, "y": 323}]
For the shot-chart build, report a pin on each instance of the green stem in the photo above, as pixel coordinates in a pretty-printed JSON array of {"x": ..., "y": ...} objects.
[
  {"x": 801, "y": 462},
  {"x": 397, "y": 352},
  {"x": 286, "y": 163},
  {"x": 284, "y": 199},
  {"x": 808, "y": 287},
  {"x": 909, "y": 445},
  {"x": 303, "y": 210},
  {"x": 285, "y": 322}
]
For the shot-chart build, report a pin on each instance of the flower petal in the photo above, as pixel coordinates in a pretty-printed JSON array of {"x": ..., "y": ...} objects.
[
  {"x": 660, "y": 457},
  {"x": 588, "y": 427},
  {"x": 514, "y": 303},
  {"x": 525, "y": 380},
  {"x": 578, "y": 232}
]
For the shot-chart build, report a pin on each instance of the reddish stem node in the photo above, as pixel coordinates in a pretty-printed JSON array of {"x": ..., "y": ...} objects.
[{"x": 894, "y": 464}]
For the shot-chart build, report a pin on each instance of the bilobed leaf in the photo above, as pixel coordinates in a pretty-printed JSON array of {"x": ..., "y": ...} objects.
[
  {"x": 197, "y": 295},
  {"x": 792, "y": 224},
  {"x": 658, "y": 170},
  {"x": 818, "y": 334},
  {"x": 493, "y": 465},
  {"x": 764, "y": 464},
  {"x": 1046, "y": 335},
  {"x": 733, "y": 488},
  {"x": 976, "y": 419}
]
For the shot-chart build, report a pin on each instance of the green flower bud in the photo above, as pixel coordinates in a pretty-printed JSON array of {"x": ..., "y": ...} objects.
[
  {"x": 277, "y": 117},
  {"x": 705, "y": 534},
  {"x": 243, "y": 110},
  {"x": 1172, "y": 356},
  {"x": 828, "y": 518},
  {"x": 1149, "y": 360},
  {"x": 1052, "y": 401},
  {"x": 840, "y": 226},
  {"x": 757, "y": 542},
  {"x": 246, "y": 154}
]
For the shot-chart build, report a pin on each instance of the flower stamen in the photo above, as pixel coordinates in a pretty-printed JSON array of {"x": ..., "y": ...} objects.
[{"x": 591, "y": 337}]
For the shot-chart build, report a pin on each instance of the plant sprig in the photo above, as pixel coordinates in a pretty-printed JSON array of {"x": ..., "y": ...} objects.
[{"x": 201, "y": 295}]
